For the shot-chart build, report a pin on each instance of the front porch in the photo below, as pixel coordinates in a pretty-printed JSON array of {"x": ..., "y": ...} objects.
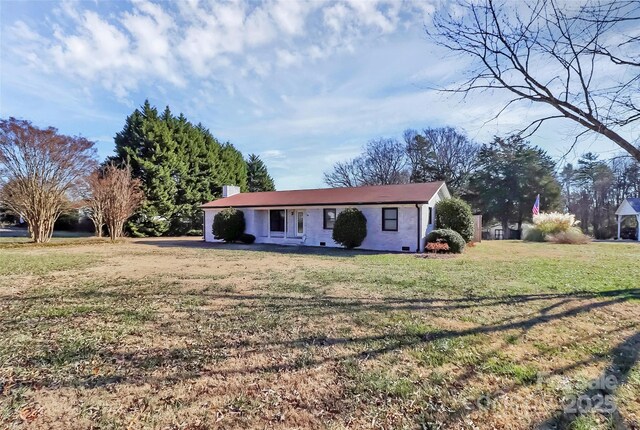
[{"x": 282, "y": 225}]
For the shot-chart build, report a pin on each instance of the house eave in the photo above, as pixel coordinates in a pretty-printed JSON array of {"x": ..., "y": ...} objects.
[{"x": 418, "y": 202}]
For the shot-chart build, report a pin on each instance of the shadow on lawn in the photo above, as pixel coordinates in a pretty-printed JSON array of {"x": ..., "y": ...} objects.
[
  {"x": 624, "y": 357},
  {"x": 187, "y": 363},
  {"x": 196, "y": 243}
]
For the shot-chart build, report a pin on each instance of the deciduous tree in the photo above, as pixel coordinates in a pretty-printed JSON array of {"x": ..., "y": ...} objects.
[
  {"x": 123, "y": 195},
  {"x": 94, "y": 200},
  {"x": 383, "y": 162},
  {"x": 578, "y": 58},
  {"x": 40, "y": 170},
  {"x": 441, "y": 154}
]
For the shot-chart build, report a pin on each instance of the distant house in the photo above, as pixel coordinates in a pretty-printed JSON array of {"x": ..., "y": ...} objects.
[
  {"x": 495, "y": 231},
  {"x": 399, "y": 217},
  {"x": 629, "y": 208}
]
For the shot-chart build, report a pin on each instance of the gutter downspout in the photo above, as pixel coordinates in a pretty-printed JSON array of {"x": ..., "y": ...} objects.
[{"x": 418, "y": 223}]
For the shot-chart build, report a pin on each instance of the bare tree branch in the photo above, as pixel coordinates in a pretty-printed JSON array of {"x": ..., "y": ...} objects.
[
  {"x": 40, "y": 171},
  {"x": 560, "y": 57}
]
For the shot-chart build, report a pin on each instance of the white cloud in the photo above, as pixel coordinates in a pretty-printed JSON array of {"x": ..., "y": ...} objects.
[
  {"x": 194, "y": 39},
  {"x": 287, "y": 58},
  {"x": 259, "y": 28},
  {"x": 272, "y": 154},
  {"x": 369, "y": 13},
  {"x": 303, "y": 84},
  {"x": 290, "y": 15}
]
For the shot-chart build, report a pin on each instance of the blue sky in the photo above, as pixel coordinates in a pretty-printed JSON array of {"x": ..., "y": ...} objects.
[{"x": 302, "y": 84}]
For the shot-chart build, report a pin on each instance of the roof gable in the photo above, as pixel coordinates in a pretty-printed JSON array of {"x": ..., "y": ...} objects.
[
  {"x": 635, "y": 204},
  {"x": 629, "y": 206},
  {"x": 378, "y": 194}
]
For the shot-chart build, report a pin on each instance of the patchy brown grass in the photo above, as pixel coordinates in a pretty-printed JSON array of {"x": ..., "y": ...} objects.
[{"x": 182, "y": 335}]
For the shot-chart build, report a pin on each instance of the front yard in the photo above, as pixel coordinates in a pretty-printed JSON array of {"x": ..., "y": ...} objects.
[{"x": 182, "y": 335}]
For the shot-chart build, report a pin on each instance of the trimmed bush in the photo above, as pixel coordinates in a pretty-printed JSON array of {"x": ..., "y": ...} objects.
[
  {"x": 573, "y": 236},
  {"x": 455, "y": 214},
  {"x": 350, "y": 228},
  {"x": 228, "y": 225},
  {"x": 247, "y": 238},
  {"x": 452, "y": 238}
]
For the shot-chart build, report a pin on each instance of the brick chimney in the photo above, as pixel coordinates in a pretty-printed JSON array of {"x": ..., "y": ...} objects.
[{"x": 230, "y": 190}]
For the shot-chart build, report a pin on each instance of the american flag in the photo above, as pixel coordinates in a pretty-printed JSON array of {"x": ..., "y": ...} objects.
[{"x": 536, "y": 206}]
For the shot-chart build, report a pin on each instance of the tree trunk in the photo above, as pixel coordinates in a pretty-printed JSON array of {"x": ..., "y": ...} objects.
[
  {"x": 115, "y": 229},
  {"x": 505, "y": 229},
  {"x": 97, "y": 225}
]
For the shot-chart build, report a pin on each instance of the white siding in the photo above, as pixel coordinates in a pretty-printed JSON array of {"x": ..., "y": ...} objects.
[
  {"x": 407, "y": 236},
  {"x": 314, "y": 233},
  {"x": 208, "y": 224}
]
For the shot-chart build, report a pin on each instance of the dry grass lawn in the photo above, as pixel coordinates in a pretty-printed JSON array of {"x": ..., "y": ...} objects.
[{"x": 177, "y": 334}]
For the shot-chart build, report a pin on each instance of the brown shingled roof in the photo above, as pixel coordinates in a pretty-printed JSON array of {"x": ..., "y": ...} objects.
[{"x": 405, "y": 193}]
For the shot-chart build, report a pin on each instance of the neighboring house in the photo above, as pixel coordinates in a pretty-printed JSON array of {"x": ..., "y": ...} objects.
[
  {"x": 496, "y": 232},
  {"x": 399, "y": 217},
  {"x": 629, "y": 208}
]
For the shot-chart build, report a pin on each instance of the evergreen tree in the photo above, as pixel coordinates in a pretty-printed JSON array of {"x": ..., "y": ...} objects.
[
  {"x": 258, "y": 178},
  {"x": 146, "y": 143},
  {"x": 510, "y": 174},
  {"x": 233, "y": 169},
  {"x": 181, "y": 166}
]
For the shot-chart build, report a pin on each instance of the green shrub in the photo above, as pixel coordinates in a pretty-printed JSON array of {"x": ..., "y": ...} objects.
[
  {"x": 350, "y": 228},
  {"x": 534, "y": 235},
  {"x": 247, "y": 238},
  {"x": 573, "y": 236},
  {"x": 451, "y": 237},
  {"x": 228, "y": 225},
  {"x": 455, "y": 214}
]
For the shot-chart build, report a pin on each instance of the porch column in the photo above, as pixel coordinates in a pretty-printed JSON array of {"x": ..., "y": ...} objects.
[
  {"x": 638, "y": 228},
  {"x": 619, "y": 218}
]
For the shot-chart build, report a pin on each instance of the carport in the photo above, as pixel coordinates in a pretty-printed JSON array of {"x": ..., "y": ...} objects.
[{"x": 629, "y": 207}]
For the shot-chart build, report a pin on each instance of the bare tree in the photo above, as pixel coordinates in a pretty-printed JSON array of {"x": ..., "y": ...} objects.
[
  {"x": 441, "y": 154},
  {"x": 95, "y": 195},
  {"x": 123, "y": 195},
  {"x": 581, "y": 59},
  {"x": 344, "y": 174},
  {"x": 40, "y": 169},
  {"x": 383, "y": 162}
]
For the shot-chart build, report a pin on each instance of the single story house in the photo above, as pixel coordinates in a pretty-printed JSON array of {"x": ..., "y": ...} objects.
[
  {"x": 399, "y": 217},
  {"x": 629, "y": 207}
]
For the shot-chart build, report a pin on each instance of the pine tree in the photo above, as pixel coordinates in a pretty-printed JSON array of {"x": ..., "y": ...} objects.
[
  {"x": 234, "y": 169},
  {"x": 146, "y": 143},
  {"x": 258, "y": 178},
  {"x": 181, "y": 166},
  {"x": 510, "y": 174}
]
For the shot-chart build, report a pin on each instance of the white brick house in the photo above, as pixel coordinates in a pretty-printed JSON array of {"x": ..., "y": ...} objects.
[{"x": 399, "y": 217}]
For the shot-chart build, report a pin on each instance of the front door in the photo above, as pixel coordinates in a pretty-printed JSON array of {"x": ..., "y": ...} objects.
[{"x": 299, "y": 223}]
